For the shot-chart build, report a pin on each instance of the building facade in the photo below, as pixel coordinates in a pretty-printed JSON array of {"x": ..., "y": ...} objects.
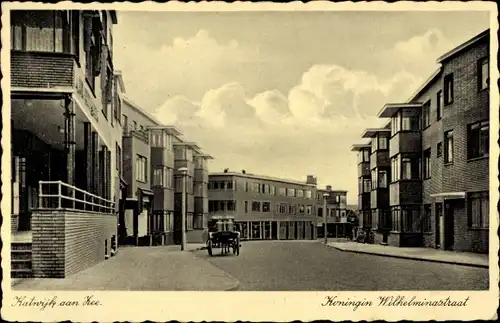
[
  {"x": 439, "y": 156},
  {"x": 336, "y": 211},
  {"x": 264, "y": 207},
  {"x": 64, "y": 129},
  {"x": 364, "y": 184}
]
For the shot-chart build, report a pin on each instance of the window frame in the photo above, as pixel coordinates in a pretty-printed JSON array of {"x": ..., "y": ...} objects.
[
  {"x": 447, "y": 140},
  {"x": 484, "y": 218},
  {"x": 427, "y": 164},
  {"x": 480, "y": 71},
  {"x": 439, "y": 105},
  {"x": 449, "y": 90},
  {"x": 426, "y": 114},
  {"x": 479, "y": 125}
]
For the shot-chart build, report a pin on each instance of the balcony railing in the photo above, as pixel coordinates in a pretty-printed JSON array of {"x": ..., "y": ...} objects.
[{"x": 59, "y": 195}]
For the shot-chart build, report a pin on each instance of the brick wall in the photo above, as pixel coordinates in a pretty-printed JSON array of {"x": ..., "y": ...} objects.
[
  {"x": 41, "y": 70},
  {"x": 65, "y": 242}
]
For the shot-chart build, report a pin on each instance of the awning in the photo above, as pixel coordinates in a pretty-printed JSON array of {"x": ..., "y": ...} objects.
[
  {"x": 449, "y": 195},
  {"x": 146, "y": 192}
]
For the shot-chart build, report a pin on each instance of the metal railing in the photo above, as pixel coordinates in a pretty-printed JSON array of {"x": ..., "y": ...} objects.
[{"x": 59, "y": 195}]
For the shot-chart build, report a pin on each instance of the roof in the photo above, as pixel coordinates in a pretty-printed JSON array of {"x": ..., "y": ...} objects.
[
  {"x": 372, "y": 132},
  {"x": 189, "y": 144},
  {"x": 331, "y": 191},
  {"x": 263, "y": 177},
  {"x": 206, "y": 156},
  {"x": 172, "y": 130},
  {"x": 391, "y": 108},
  {"x": 140, "y": 110},
  {"x": 471, "y": 42},
  {"x": 426, "y": 84},
  {"x": 358, "y": 147}
]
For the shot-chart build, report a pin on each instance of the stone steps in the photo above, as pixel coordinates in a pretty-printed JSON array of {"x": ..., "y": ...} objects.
[{"x": 20, "y": 260}]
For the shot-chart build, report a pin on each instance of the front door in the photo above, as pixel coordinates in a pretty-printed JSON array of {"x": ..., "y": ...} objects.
[{"x": 449, "y": 231}]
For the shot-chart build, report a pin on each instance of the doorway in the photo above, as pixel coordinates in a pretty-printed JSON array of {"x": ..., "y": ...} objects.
[
  {"x": 449, "y": 223},
  {"x": 274, "y": 230}
]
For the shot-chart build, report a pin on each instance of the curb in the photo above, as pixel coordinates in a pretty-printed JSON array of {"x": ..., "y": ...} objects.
[{"x": 412, "y": 258}]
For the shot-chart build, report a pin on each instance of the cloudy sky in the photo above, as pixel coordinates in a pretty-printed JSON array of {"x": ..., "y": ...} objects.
[{"x": 282, "y": 93}]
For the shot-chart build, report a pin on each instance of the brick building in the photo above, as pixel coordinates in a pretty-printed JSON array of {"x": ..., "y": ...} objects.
[
  {"x": 336, "y": 211},
  {"x": 264, "y": 207},
  {"x": 439, "y": 153},
  {"x": 65, "y": 130}
]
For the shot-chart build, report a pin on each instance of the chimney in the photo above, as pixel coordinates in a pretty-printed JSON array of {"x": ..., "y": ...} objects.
[
  {"x": 226, "y": 170},
  {"x": 243, "y": 171},
  {"x": 328, "y": 187},
  {"x": 311, "y": 180}
]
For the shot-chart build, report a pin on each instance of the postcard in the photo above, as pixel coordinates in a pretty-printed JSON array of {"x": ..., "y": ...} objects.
[{"x": 249, "y": 161}]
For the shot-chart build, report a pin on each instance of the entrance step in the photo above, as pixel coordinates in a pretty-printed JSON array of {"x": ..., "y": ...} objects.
[{"x": 20, "y": 260}]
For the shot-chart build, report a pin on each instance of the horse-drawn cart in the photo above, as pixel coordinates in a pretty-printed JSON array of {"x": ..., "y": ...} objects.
[{"x": 222, "y": 235}]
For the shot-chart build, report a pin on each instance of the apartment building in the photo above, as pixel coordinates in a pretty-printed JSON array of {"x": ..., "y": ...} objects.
[
  {"x": 64, "y": 127},
  {"x": 264, "y": 207},
  {"x": 188, "y": 155},
  {"x": 336, "y": 211},
  {"x": 148, "y": 171},
  {"x": 364, "y": 184},
  {"x": 439, "y": 156}
]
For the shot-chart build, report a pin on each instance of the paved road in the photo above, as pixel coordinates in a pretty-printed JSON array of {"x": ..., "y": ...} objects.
[{"x": 305, "y": 265}]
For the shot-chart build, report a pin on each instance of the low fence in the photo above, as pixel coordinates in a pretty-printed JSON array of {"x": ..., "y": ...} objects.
[{"x": 60, "y": 195}]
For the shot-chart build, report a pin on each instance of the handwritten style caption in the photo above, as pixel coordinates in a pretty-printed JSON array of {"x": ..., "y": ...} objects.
[{"x": 23, "y": 301}]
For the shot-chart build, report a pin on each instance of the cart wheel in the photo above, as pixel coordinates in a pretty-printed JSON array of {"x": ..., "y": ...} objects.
[{"x": 209, "y": 247}]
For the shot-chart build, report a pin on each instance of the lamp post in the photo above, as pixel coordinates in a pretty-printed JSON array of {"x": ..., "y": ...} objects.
[
  {"x": 183, "y": 171},
  {"x": 325, "y": 219}
]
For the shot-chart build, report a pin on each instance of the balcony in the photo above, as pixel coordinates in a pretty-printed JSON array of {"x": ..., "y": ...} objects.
[
  {"x": 200, "y": 175},
  {"x": 405, "y": 192},
  {"x": 379, "y": 198},
  {"x": 364, "y": 170},
  {"x": 364, "y": 201},
  {"x": 405, "y": 142},
  {"x": 380, "y": 158},
  {"x": 46, "y": 70}
]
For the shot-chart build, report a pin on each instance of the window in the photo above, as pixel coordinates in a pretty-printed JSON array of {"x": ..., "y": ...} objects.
[
  {"x": 199, "y": 162},
  {"x": 266, "y": 206},
  {"x": 439, "y": 105},
  {"x": 374, "y": 179},
  {"x": 255, "y": 206},
  {"x": 426, "y": 114},
  {"x": 231, "y": 206},
  {"x": 156, "y": 138},
  {"x": 484, "y": 73},
  {"x": 141, "y": 168},
  {"x": 439, "y": 149},
  {"x": 410, "y": 219},
  {"x": 246, "y": 206},
  {"x": 396, "y": 218},
  {"x": 282, "y": 191},
  {"x": 448, "y": 89},
  {"x": 382, "y": 143},
  {"x": 426, "y": 219},
  {"x": 308, "y": 194},
  {"x": 410, "y": 168},
  {"x": 448, "y": 146},
  {"x": 427, "y": 163},
  {"x": 367, "y": 183},
  {"x": 255, "y": 187},
  {"x": 290, "y": 192},
  {"x": 382, "y": 179},
  {"x": 246, "y": 186},
  {"x": 309, "y": 209},
  {"x": 395, "y": 169},
  {"x": 292, "y": 209},
  {"x": 41, "y": 30},
  {"x": 410, "y": 123},
  {"x": 273, "y": 190},
  {"x": 118, "y": 159},
  {"x": 189, "y": 221},
  {"x": 198, "y": 221},
  {"x": 299, "y": 193},
  {"x": 159, "y": 177},
  {"x": 266, "y": 189},
  {"x": 374, "y": 144},
  {"x": 478, "y": 139},
  {"x": 479, "y": 210},
  {"x": 301, "y": 208},
  {"x": 125, "y": 123}
]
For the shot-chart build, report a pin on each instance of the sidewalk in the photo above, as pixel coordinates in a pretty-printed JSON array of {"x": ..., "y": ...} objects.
[
  {"x": 142, "y": 269},
  {"x": 425, "y": 254}
]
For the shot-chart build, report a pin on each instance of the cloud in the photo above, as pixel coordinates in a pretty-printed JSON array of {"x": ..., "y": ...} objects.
[{"x": 186, "y": 66}]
